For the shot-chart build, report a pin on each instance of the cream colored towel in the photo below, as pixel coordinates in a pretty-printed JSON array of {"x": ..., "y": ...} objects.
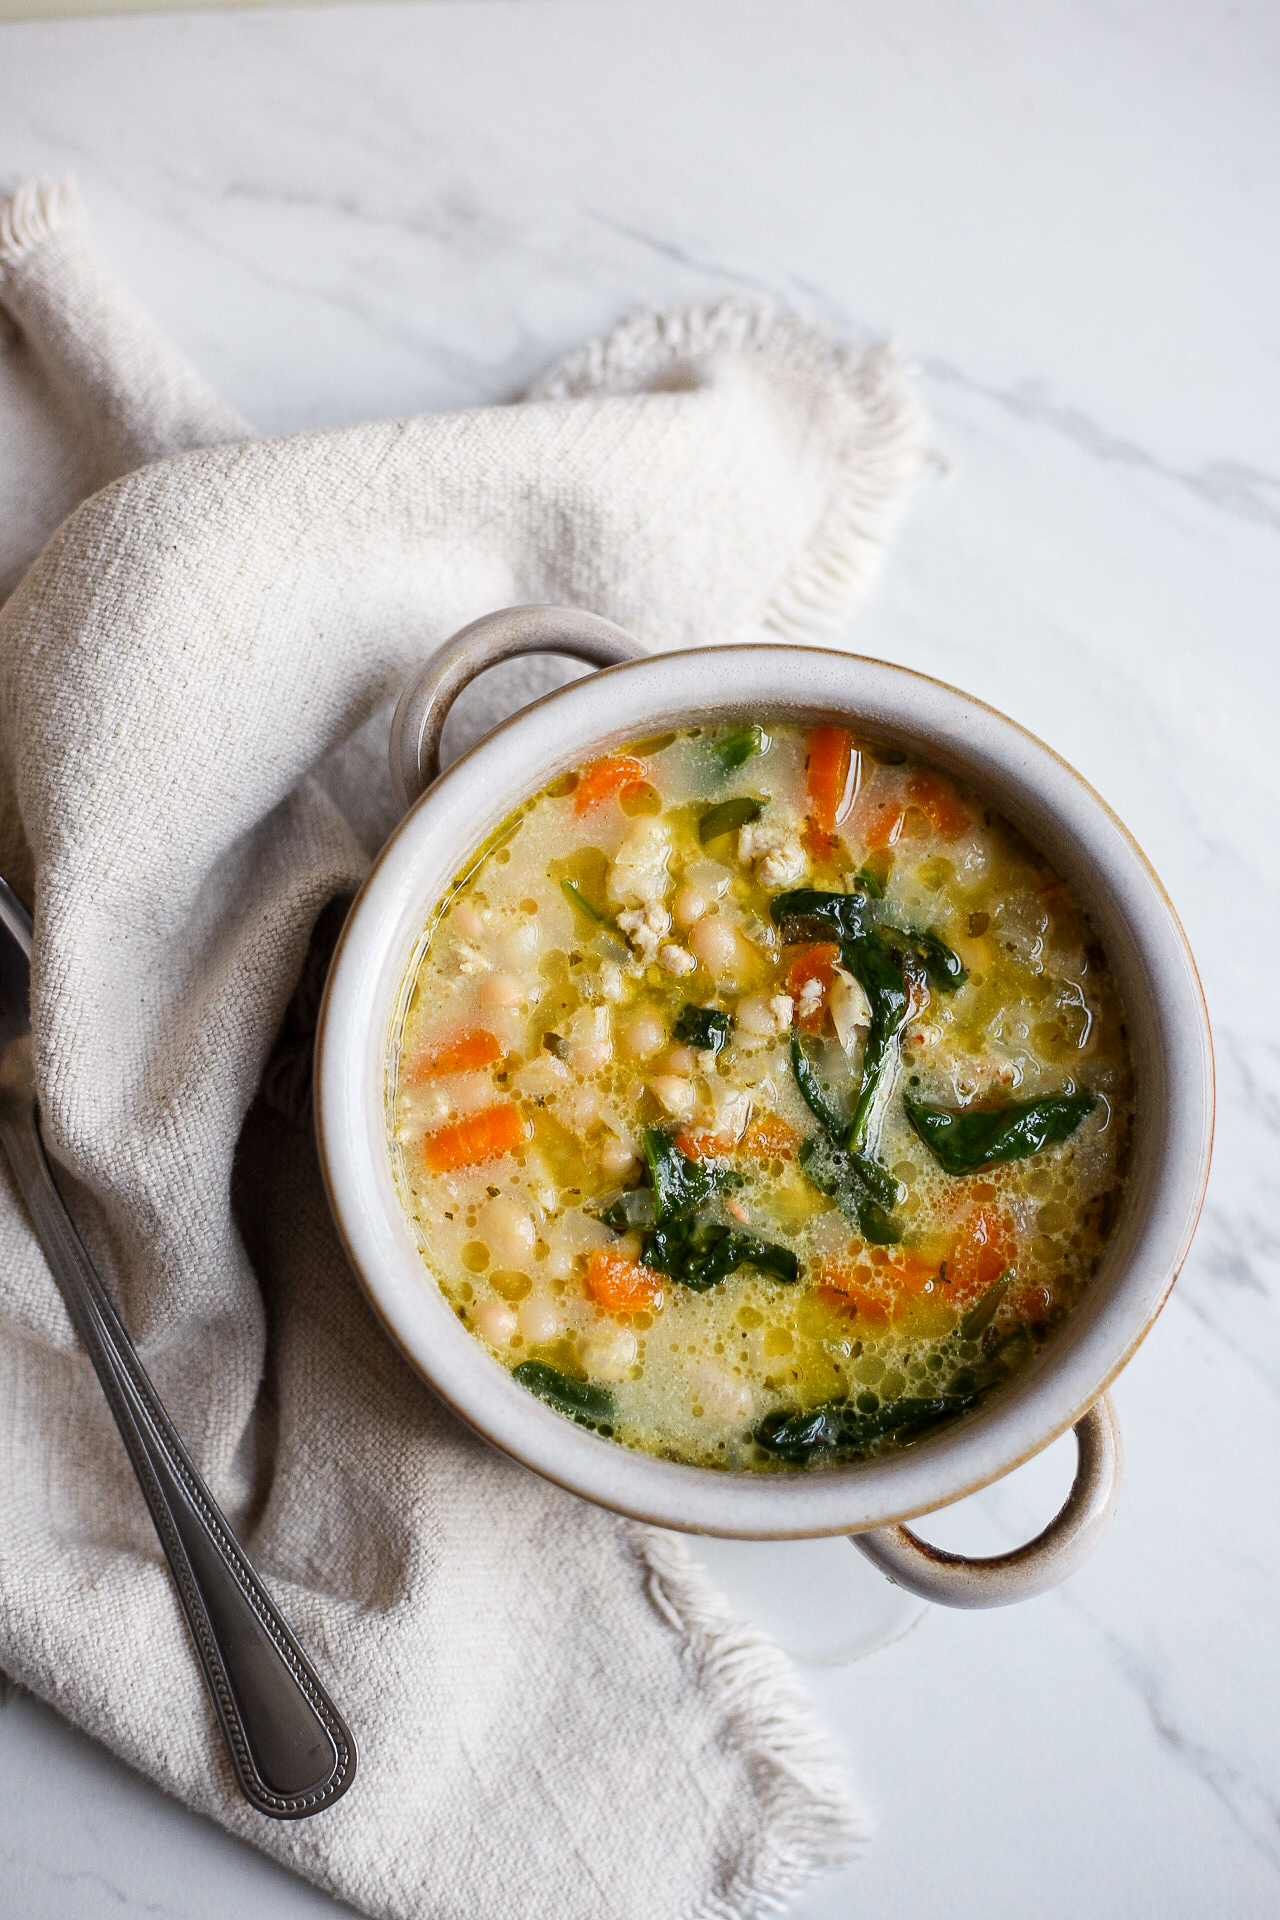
[{"x": 555, "y": 1715}]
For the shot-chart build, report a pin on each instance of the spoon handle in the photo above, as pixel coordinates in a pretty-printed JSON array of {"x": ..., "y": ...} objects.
[{"x": 290, "y": 1748}]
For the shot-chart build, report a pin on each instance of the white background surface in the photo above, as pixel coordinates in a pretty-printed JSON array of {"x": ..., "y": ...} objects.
[{"x": 1067, "y": 212}]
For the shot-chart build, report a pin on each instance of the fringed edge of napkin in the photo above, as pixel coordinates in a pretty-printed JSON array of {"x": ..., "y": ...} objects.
[
  {"x": 811, "y": 1824},
  {"x": 875, "y": 421},
  {"x": 34, "y": 212}
]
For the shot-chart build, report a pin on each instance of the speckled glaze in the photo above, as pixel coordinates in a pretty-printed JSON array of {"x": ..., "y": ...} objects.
[{"x": 1055, "y": 808}]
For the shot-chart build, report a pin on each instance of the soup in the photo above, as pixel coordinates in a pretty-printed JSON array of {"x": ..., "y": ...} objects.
[{"x": 759, "y": 1097}]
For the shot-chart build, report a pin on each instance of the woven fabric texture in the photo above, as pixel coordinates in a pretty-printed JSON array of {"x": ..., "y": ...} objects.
[{"x": 556, "y": 1715}]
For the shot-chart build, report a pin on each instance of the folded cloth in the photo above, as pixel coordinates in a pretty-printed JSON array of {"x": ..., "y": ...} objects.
[{"x": 556, "y": 1715}]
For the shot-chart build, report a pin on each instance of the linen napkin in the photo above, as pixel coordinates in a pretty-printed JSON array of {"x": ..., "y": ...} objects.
[{"x": 556, "y": 1715}]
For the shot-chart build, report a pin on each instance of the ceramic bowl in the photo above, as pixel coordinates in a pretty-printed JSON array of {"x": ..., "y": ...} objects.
[{"x": 1057, "y": 811}]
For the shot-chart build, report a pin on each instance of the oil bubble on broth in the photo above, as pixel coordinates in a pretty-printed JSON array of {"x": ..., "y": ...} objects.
[{"x": 760, "y": 1097}]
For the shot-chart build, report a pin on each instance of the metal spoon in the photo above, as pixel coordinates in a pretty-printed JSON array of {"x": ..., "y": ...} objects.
[{"x": 291, "y": 1750}]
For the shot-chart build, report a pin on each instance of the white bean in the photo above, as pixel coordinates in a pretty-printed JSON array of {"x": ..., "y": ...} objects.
[
  {"x": 610, "y": 1353},
  {"x": 689, "y": 906},
  {"x": 675, "y": 1093},
  {"x": 501, "y": 990},
  {"x": 467, "y": 920},
  {"x": 540, "y": 1320},
  {"x": 714, "y": 941},
  {"x": 584, "y": 1111},
  {"x": 721, "y": 1392},
  {"x": 643, "y": 1035},
  {"x": 764, "y": 1013},
  {"x": 495, "y": 1323},
  {"x": 508, "y": 1232},
  {"x": 615, "y": 1158},
  {"x": 520, "y": 941},
  {"x": 679, "y": 1059}
]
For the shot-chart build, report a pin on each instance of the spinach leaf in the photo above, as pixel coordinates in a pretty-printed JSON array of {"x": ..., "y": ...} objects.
[
  {"x": 583, "y": 1400},
  {"x": 872, "y": 965},
  {"x": 681, "y": 1242},
  {"x": 629, "y": 1210},
  {"x": 863, "y": 1190},
  {"x": 728, "y": 814},
  {"x": 979, "y": 1317},
  {"x": 963, "y": 1140},
  {"x": 737, "y": 749},
  {"x": 699, "y": 1253},
  {"x": 812, "y": 1091},
  {"x": 866, "y": 954},
  {"x": 703, "y": 1027},
  {"x": 805, "y": 913},
  {"x": 945, "y": 969},
  {"x": 844, "y": 1429},
  {"x": 679, "y": 1184}
]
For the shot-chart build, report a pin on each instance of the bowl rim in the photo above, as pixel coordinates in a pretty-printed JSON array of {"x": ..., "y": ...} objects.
[{"x": 1031, "y": 784}]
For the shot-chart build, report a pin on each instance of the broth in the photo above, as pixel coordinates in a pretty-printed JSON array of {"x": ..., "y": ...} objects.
[{"x": 760, "y": 1097}]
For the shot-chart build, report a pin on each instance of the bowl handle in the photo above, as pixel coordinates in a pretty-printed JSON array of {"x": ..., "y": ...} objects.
[
  {"x": 956, "y": 1581},
  {"x": 424, "y": 705}
]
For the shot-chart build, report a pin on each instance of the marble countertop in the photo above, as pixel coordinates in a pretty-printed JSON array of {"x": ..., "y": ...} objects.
[{"x": 1067, "y": 214}]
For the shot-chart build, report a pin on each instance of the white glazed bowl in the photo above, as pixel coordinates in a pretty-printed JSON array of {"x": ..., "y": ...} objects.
[{"x": 1056, "y": 810}]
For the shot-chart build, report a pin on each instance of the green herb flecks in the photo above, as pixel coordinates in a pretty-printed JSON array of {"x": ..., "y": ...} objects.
[
  {"x": 727, "y": 815},
  {"x": 583, "y": 1400},
  {"x": 704, "y": 1027},
  {"x": 965, "y": 1139}
]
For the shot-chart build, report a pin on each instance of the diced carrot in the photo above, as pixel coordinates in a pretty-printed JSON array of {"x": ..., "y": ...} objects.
[
  {"x": 833, "y": 775},
  {"x": 469, "y": 1050},
  {"x": 815, "y": 963},
  {"x": 856, "y": 1288},
  {"x": 935, "y": 797},
  {"x": 622, "y": 1286},
  {"x": 985, "y": 1246},
  {"x": 769, "y": 1138},
  {"x": 705, "y": 1146},
  {"x": 907, "y": 1267},
  {"x": 477, "y": 1137},
  {"x": 884, "y": 825},
  {"x": 604, "y": 778},
  {"x": 817, "y": 844}
]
